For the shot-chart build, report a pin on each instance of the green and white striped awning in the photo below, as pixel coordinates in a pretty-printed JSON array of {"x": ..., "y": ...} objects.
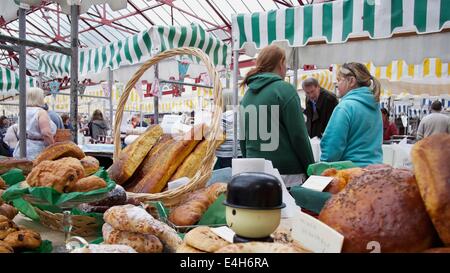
[
  {"x": 138, "y": 48},
  {"x": 9, "y": 81},
  {"x": 336, "y": 21}
]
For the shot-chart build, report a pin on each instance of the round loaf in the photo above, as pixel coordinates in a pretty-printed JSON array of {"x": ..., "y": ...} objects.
[
  {"x": 90, "y": 165},
  {"x": 59, "y": 150},
  {"x": 431, "y": 160},
  {"x": 380, "y": 207}
]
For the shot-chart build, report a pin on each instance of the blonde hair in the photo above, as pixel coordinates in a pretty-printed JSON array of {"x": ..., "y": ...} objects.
[
  {"x": 35, "y": 97},
  {"x": 267, "y": 61},
  {"x": 362, "y": 76}
]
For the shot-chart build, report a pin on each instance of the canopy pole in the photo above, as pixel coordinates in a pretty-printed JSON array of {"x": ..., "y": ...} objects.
[
  {"x": 235, "y": 100},
  {"x": 74, "y": 14},
  {"x": 22, "y": 87},
  {"x": 155, "y": 97},
  {"x": 296, "y": 68},
  {"x": 110, "y": 87}
]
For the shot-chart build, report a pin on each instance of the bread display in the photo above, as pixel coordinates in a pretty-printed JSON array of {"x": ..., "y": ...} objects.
[
  {"x": 341, "y": 178},
  {"x": 56, "y": 174},
  {"x": 23, "y": 239},
  {"x": 59, "y": 150},
  {"x": 90, "y": 165},
  {"x": 192, "y": 209},
  {"x": 135, "y": 219},
  {"x": 86, "y": 184},
  {"x": 431, "y": 160},
  {"x": 10, "y": 163},
  {"x": 384, "y": 206},
  {"x": 258, "y": 247},
  {"x": 133, "y": 155},
  {"x": 204, "y": 239},
  {"x": 142, "y": 243},
  {"x": 168, "y": 161}
]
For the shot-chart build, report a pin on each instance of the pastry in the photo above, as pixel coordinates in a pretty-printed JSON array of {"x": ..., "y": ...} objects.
[
  {"x": 382, "y": 206},
  {"x": 136, "y": 219},
  {"x": 23, "y": 239},
  {"x": 132, "y": 156},
  {"x": 185, "y": 248},
  {"x": 5, "y": 248},
  {"x": 142, "y": 243},
  {"x": 204, "y": 239},
  {"x": 168, "y": 161},
  {"x": 258, "y": 247},
  {"x": 7, "y": 226},
  {"x": 60, "y": 150},
  {"x": 90, "y": 165},
  {"x": 196, "y": 204},
  {"x": 60, "y": 174},
  {"x": 86, "y": 184},
  {"x": 104, "y": 248},
  {"x": 431, "y": 160},
  {"x": 8, "y": 211},
  {"x": 10, "y": 163},
  {"x": 341, "y": 178}
]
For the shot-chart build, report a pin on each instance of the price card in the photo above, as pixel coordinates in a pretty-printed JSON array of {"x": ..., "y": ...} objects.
[
  {"x": 317, "y": 183},
  {"x": 315, "y": 235},
  {"x": 224, "y": 232}
]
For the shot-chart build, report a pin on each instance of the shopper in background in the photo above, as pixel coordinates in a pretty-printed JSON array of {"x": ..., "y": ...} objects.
[
  {"x": 320, "y": 104},
  {"x": 4, "y": 124},
  {"x": 98, "y": 127},
  {"x": 12, "y": 137},
  {"x": 355, "y": 130},
  {"x": 389, "y": 128},
  {"x": 136, "y": 122},
  {"x": 267, "y": 89},
  {"x": 66, "y": 121},
  {"x": 40, "y": 128},
  {"x": 54, "y": 117},
  {"x": 434, "y": 123}
]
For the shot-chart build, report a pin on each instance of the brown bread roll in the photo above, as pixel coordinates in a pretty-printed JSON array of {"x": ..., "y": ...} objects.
[
  {"x": 431, "y": 160},
  {"x": 86, "y": 184},
  {"x": 90, "y": 165},
  {"x": 382, "y": 206},
  {"x": 60, "y": 150},
  {"x": 132, "y": 156}
]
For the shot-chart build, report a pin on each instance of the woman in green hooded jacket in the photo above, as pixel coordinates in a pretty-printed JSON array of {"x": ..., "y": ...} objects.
[{"x": 272, "y": 125}]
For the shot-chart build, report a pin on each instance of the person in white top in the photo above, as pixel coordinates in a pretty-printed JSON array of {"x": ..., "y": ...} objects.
[
  {"x": 40, "y": 129},
  {"x": 434, "y": 123}
]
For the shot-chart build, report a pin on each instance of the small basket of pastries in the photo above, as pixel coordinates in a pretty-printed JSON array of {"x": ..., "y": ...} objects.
[
  {"x": 400, "y": 210},
  {"x": 63, "y": 177},
  {"x": 145, "y": 167}
]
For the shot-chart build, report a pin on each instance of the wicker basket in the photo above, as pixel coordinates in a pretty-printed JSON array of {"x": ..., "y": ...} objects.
[
  {"x": 81, "y": 225},
  {"x": 173, "y": 197}
]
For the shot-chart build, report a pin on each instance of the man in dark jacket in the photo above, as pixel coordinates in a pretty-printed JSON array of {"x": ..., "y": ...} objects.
[{"x": 320, "y": 104}]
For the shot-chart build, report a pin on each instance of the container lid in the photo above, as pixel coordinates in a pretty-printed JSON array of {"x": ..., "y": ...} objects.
[{"x": 253, "y": 190}]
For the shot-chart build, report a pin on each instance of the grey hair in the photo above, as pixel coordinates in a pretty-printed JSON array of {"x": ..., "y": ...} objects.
[
  {"x": 35, "y": 97},
  {"x": 310, "y": 82}
]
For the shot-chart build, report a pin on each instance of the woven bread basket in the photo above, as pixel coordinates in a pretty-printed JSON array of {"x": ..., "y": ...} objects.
[{"x": 174, "y": 196}]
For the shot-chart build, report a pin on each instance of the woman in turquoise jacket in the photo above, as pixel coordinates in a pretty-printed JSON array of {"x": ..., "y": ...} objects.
[{"x": 355, "y": 129}]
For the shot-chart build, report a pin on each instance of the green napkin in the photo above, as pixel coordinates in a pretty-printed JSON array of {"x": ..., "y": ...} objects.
[
  {"x": 318, "y": 168},
  {"x": 13, "y": 176},
  {"x": 45, "y": 247},
  {"x": 310, "y": 199},
  {"x": 215, "y": 215}
]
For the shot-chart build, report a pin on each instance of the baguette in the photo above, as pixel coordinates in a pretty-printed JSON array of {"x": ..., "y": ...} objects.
[
  {"x": 168, "y": 161},
  {"x": 133, "y": 155}
]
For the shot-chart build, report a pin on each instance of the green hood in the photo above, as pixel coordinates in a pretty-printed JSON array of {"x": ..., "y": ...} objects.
[{"x": 257, "y": 82}]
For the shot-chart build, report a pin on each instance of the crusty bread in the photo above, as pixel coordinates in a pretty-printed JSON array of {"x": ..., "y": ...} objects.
[
  {"x": 168, "y": 161},
  {"x": 431, "y": 160},
  {"x": 192, "y": 163},
  {"x": 383, "y": 206},
  {"x": 142, "y": 243},
  {"x": 90, "y": 165},
  {"x": 132, "y": 156},
  {"x": 11, "y": 163},
  {"x": 60, "y": 150},
  {"x": 86, "y": 184}
]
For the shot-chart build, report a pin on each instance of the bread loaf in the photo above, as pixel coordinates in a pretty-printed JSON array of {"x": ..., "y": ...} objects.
[
  {"x": 10, "y": 163},
  {"x": 204, "y": 239},
  {"x": 431, "y": 160},
  {"x": 192, "y": 163},
  {"x": 382, "y": 206},
  {"x": 8, "y": 211},
  {"x": 60, "y": 150},
  {"x": 132, "y": 156},
  {"x": 142, "y": 243},
  {"x": 90, "y": 165},
  {"x": 192, "y": 209},
  {"x": 168, "y": 161},
  {"x": 86, "y": 184}
]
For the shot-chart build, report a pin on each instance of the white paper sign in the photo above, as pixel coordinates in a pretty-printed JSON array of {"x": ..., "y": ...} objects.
[
  {"x": 315, "y": 235},
  {"x": 317, "y": 183},
  {"x": 224, "y": 232}
]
